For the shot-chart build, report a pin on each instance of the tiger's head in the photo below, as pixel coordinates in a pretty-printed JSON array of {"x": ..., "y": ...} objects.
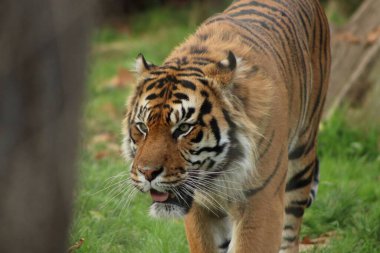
[{"x": 181, "y": 137}]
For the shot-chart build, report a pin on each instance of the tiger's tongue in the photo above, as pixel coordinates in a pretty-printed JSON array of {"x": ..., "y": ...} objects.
[{"x": 159, "y": 196}]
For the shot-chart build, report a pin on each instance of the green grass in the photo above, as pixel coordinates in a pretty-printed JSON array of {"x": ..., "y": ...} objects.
[
  {"x": 349, "y": 197},
  {"x": 348, "y": 201}
]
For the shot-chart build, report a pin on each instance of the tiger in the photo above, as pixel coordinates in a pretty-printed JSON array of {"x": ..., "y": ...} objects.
[{"x": 224, "y": 132}]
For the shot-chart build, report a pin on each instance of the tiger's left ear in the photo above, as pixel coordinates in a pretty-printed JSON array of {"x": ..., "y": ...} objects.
[
  {"x": 142, "y": 66},
  {"x": 223, "y": 72}
]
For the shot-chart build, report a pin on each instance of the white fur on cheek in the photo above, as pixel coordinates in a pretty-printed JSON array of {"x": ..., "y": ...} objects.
[{"x": 126, "y": 148}]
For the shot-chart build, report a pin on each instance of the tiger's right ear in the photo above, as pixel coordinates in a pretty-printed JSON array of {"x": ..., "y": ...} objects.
[
  {"x": 142, "y": 65},
  {"x": 223, "y": 71}
]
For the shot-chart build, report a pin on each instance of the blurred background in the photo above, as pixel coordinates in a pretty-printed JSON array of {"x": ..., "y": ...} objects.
[{"x": 37, "y": 138}]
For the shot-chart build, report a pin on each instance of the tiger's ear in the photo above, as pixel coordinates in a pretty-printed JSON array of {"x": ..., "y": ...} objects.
[
  {"x": 223, "y": 72},
  {"x": 142, "y": 66}
]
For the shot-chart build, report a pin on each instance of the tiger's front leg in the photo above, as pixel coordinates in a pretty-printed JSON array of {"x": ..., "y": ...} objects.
[
  {"x": 258, "y": 229},
  {"x": 206, "y": 232},
  {"x": 258, "y": 223}
]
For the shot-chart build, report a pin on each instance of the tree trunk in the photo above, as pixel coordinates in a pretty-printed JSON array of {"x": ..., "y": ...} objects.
[
  {"x": 43, "y": 47},
  {"x": 355, "y": 50}
]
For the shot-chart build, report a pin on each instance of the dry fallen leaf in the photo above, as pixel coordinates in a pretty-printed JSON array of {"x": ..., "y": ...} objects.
[
  {"x": 347, "y": 37},
  {"x": 76, "y": 245},
  {"x": 123, "y": 78},
  {"x": 102, "y": 138},
  {"x": 114, "y": 147},
  {"x": 110, "y": 110},
  {"x": 307, "y": 243},
  {"x": 101, "y": 154},
  {"x": 373, "y": 35}
]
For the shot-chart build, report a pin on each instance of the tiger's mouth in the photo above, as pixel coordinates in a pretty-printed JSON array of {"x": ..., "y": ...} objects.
[
  {"x": 169, "y": 204},
  {"x": 160, "y": 197},
  {"x": 170, "y": 197}
]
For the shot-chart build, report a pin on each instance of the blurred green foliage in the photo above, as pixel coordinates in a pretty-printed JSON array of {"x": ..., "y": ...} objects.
[
  {"x": 347, "y": 7},
  {"x": 338, "y": 11},
  {"x": 340, "y": 139}
]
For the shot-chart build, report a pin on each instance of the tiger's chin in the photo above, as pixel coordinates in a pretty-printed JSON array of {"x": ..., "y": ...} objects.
[{"x": 167, "y": 210}]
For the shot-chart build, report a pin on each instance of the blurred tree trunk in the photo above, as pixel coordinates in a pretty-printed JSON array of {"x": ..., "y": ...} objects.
[
  {"x": 43, "y": 47},
  {"x": 355, "y": 50}
]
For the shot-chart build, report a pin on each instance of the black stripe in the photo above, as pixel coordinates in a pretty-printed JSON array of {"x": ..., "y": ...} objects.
[
  {"x": 317, "y": 105},
  {"x": 189, "y": 161},
  {"x": 269, "y": 143},
  {"x": 202, "y": 58},
  {"x": 157, "y": 72},
  {"x": 295, "y": 211},
  {"x": 297, "y": 182},
  {"x": 205, "y": 108},
  {"x": 297, "y": 152},
  {"x": 172, "y": 67},
  {"x": 203, "y": 37},
  {"x": 253, "y": 191},
  {"x": 195, "y": 69},
  {"x": 198, "y": 138},
  {"x": 290, "y": 238},
  {"x": 215, "y": 129},
  {"x": 198, "y": 50},
  {"x": 210, "y": 165},
  {"x": 163, "y": 92},
  {"x": 161, "y": 83},
  {"x": 217, "y": 149},
  {"x": 227, "y": 116},
  {"x": 204, "y": 93},
  {"x": 190, "y": 74},
  {"x": 150, "y": 86},
  {"x": 300, "y": 202},
  {"x": 182, "y": 96},
  {"x": 305, "y": 28},
  {"x": 190, "y": 112},
  {"x": 131, "y": 136},
  {"x": 187, "y": 84},
  {"x": 288, "y": 227},
  {"x": 225, "y": 244},
  {"x": 183, "y": 111},
  {"x": 152, "y": 96},
  {"x": 168, "y": 115},
  {"x": 203, "y": 81},
  {"x": 202, "y": 63},
  {"x": 146, "y": 80}
]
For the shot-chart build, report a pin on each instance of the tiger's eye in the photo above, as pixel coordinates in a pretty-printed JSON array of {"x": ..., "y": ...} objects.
[
  {"x": 142, "y": 127},
  {"x": 184, "y": 128}
]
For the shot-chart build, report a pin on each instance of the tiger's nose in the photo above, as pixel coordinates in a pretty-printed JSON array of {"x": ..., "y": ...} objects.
[{"x": 150, "y": 174}]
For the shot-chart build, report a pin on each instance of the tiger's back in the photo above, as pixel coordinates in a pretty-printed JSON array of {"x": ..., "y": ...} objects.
[
  {"x": 289, "y": 38},
  {"x": 254, "y": 80}
]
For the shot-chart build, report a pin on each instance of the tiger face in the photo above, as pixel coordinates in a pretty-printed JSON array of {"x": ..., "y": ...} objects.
[{"x": 178, "y": 136}]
